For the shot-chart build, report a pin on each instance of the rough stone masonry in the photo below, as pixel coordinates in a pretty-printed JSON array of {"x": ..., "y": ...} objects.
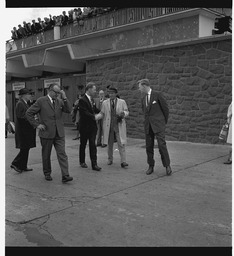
[{"x": 196, "y": 79}]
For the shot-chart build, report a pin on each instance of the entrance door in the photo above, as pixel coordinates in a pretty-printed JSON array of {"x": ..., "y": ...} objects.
[{"x": 15, "y": 99}]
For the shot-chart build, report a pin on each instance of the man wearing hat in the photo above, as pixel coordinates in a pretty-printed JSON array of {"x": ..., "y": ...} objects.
[
  {"x": 156, "y": 113},
  {"x": 25, "y": 133},
  {"x": 113, "y": 112}
]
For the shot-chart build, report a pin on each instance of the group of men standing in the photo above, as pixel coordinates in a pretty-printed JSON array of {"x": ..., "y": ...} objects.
[{"x": 46, "y": 116}]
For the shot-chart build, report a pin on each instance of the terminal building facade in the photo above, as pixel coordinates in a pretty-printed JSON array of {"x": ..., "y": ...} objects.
[{"x": 175, "y": 48}]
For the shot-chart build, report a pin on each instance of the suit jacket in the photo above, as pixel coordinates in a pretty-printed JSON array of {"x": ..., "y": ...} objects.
[
  {"x": 25, "y": 133},
  {"x": 87, "y": 115},
  {"x": 156, "y": 113},
  {"x": 49, "y": 116}
]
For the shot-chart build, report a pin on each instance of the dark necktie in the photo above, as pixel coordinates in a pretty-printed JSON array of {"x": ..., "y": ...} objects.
[
  {"x": 112, "y": 104},
  {"x": 92, "y": 103},
  {"x": 147, "y": 100},
  {"x": 53, "y": 103}
]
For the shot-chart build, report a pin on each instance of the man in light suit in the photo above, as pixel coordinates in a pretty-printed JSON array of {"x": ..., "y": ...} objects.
[
  {"x": 156, "y": 113},
  {"x": 98, "y": 101},
  {"x": 113, "y": 112},
  {"x": 51, "y": 128}
]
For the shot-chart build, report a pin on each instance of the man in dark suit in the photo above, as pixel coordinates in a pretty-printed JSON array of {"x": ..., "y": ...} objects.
[
  {"x": 50, "y": 109},
  {"x": 25, "y": 134},
  {"x": 88, "y": 126},
  {"x": 156, "y": 113}
]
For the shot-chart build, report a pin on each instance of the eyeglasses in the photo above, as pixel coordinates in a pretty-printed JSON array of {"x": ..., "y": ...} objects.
[{"x": 57, "y": 93}]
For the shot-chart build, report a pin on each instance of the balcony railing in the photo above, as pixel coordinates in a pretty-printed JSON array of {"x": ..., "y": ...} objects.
[{"x": 89, "y": 25}]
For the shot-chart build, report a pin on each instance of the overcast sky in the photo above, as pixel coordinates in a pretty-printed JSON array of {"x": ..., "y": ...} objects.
[{"x": 18, "y": 15}]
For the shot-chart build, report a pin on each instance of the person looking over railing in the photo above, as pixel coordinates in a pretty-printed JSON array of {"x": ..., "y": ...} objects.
[
  {"x": 53, "y": 21},
  {"x": 70, "y": 17},
  {"x": 64, "y": 19},
  {"x": 15, "y": 33},
  {"x": 27, "y": 28},
  {"x": 34, "y": 27},
  {"x": 40, "y": 25},
  {"x": 21, "y": 31}
]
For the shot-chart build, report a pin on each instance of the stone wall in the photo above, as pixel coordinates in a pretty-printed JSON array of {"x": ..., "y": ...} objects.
[{"x": 196, "y": 79}]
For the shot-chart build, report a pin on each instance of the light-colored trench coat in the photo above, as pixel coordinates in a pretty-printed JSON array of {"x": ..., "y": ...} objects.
[
  {"x": 229, "y": 117},
  {"x": 105, "y": 113}
]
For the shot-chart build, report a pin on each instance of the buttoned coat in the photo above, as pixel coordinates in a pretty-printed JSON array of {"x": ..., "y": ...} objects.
[
  {"x": 87, "y": 115},
  {"x": 105, "y": 113},
  {"x": 156, "y": 113},
  {"x": 49, "y": 116},
  {"x": 25, "y": 133}
]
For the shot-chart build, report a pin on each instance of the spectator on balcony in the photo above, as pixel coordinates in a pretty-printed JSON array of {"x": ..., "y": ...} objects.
[
  {"x": 70, "y": 17},
  {"x": 27, "y": 29},
  {"x": 40, "y": 25},
  {"x": 79, "y": 12},
  {"x": 21, "y": 31},
  {"x": 75, "y": 16},
  {"x": 47, "y": 24},
  {"x": 93, "y": 11},
  {"x": 13, "y": 36},
  {"x": 64, "y": 19},
  {"x": 58, "y": 21},
  {"x": 34, "y": 27},
  {"x": 30, "y": 27},
  {"x": 52, "y": 21},
  {"x": 87, "y": 12},
  {"x": 14, "y": 33}
]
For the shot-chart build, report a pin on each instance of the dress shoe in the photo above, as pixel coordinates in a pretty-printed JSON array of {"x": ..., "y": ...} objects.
[
  {"x": 103, "y": 146},
  {"x": 84, "y": 165},
  {"x": 150, "y": 170},
  {"x": 99, "y": 145},
  {"x": 168, "y": 170},
  {"x": 28, "y": 170},
  {"x": 228, "y": 162},
  {"x": 96, "y": 168},
  {"x": 110, "y": 162},
  {"x": 48, "y": 177},
  {"x": 124, "y": 164},
  {"x": 66, "y": 178},
  {"x": 16, "y": 168}
]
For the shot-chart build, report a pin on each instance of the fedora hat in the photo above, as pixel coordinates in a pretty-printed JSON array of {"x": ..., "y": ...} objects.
[
  {"x": 112, "y": 89},
  {"x": 25, "y": 91}
]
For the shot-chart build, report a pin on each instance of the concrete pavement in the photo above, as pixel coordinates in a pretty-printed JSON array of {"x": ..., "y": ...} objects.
[{"x": 121, "y": 207}]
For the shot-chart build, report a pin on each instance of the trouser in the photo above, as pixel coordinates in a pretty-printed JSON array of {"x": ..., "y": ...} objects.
[
  {"x": 6, "y": 129},
  {"x": 59, "y": 145},
  {"x": 121, "y": 147},
  {"x": 160, "y": 136},
  {"x": 99, "y": 132},
  {"x": 21, "y": 160},
  {"x": 91, "y": 137}
]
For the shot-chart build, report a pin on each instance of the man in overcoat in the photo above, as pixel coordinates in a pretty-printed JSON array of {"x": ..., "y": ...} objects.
[
  {"x": 25, "y": 133},
  {"x": 156, "y": 112},
  {"x": 113, "y": 112},
  {"x": 50, "y": 109},
  {"x": 98, "y": 101},
  {"x": 88, "y": 126}
]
